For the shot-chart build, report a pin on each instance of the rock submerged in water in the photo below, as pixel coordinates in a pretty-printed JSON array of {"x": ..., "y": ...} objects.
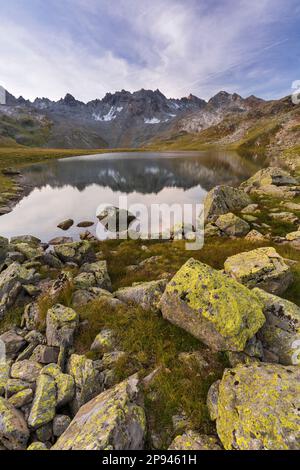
[
  {"x": 258, "y": 408},
  {"x": 219, "y": 311},
  {"x": 114, "y": 420},
  {"x": 223, "y": 199},
  {"x": 262, "y": 267},
  {"x": 66, "y": 224}
]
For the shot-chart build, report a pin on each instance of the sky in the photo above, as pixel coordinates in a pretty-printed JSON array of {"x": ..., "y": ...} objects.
[{"x": 90, "y": 47}]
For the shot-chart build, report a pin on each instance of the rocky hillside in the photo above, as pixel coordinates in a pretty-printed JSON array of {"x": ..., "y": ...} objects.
[{"x": 131, "y": 345}]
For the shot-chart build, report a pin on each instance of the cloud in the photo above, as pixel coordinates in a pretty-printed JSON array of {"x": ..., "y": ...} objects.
[{"x": 89, "y": 47}]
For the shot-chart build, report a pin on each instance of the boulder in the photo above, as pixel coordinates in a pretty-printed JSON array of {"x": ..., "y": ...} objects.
[
  {"x": 88, "y": 380},
  {"x": 192, "y": 440},
  {"x": 61, "y": 325},
  {"x": 262, "y": 267},
  {"x": 14, "y": 386},
  {"x": 145, "y": 294},
  {"x": 212, "y": 307},
  {"x": 45, "y": 354},
  {"x": 31, "y": 316},
  {"x": 285, "y": 217},
  {"x": 223, "y": 199},
  {"x": 60, "y": 424},
  {"x": 65, "y": 384},
  {"x": 4, "y": 376},
  {"x": 76, "y": 252},
  {"x": 21, "y": 398},
  {"x": 29, "y": 239},
  {"x": 255, "y": 236},
  {"x": 281, "y": 333},
  {"x": 14, "y": 433},
  {"x": 258, "y": 408},
  {"x": 104, "y": 342},
  {"x": 294, "y": 239},
  {"x": 115, "y": 219},
  {"x": 11, "y": 281},
  {"x": 13, "y": 342},
  {"x": 212, "y": 399},
  {"x": 84, "y": 296},
  {"x": 3, "y": 248},
  {"x": 66, "y": 224},
  {"x": 93, "y": 275},
  {"x": 113, "y": 420},
  {"x": 232, "y": 225},
  {"x": 29, "y": 251},
  {"x": 26, "y": 370},
  {"x": 37, "y": 446},
  {"x": 44, "y": 403},
  {"x": 269, "y": 176}
]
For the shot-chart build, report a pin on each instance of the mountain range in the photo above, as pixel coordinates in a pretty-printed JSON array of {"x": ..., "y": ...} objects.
[{"x": 147, "y": 118}]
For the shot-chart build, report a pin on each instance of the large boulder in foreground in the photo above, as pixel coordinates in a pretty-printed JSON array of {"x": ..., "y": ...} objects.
[
  {"x": 280, "y": 335},
  {"x": 14, "y": 432},
  {"x": 258, "y": 408},
  {"x": 223, "y": 199},
  {"x": 212, "y": 307},
  {"x": 145, "y": 294},
  {"x": 262, "y": 267},
  {"x": 114, "y": 420},
  {"x": 192, "y": 440}
]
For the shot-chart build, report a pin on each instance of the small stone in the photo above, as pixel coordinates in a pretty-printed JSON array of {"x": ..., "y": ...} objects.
[
  {"x": 45, "y": 354},
  {"x": 191, "y": 440},
  {"x": 61, "y": 325},
  {"x": 37, "y": 446},
  {"x": 14, "y": 433},
  {"x": 26, "y": 370},
  {"x": 66, "y": 224},
  {"x": 104, "y": 342},
  {"x": 21, "y": 398},
  {"x": 60, "y": 424},
  {"x": 44, "y": 403},
  {"x": 212, "y": 400}
]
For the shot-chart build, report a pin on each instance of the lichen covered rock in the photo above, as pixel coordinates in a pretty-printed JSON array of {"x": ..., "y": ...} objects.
[
  {"x": 258, "y": 408},
  {"x": 65, "y": 384},
  {"x": 88, "y": 380},
  {"x": 223, "y": 199},
  {"x": 93, "y": 275},
  {"x": 44, "y": 403},
  {"x": 113, "y": 420},
  {"x": 232, "y": 225},
  {"x": 26, "y": 370},
  {"x": 212, "y": 307},
  {"x": 145, "y": 294},
  {"x": 77, "y": 252},
  {"x": 14, "y": 433},
  {"x": 37, "y": 446},
  {"x": 262, "y": 267},
  {"x": 61, "y": 325},
  {"x": 281, "y": 333},
  {"x": 192, "y": 440},
  {"x": 104, "y": 342}
]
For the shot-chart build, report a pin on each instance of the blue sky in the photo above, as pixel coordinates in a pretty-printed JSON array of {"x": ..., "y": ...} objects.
[{"x": 89, "y": 47}]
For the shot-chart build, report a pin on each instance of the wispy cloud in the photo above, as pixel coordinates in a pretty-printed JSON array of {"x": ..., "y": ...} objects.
[{"x": 88, "y": 47}]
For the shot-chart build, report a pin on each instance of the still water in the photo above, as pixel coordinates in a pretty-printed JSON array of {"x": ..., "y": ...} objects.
[{"x": 74, "y": 187}]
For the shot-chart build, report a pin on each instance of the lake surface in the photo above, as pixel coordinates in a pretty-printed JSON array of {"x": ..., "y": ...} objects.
[{"x": 75, "y": 187}]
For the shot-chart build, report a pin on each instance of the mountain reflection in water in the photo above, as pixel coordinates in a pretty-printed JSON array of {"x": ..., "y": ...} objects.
[{"x": 74, "y": 187}]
